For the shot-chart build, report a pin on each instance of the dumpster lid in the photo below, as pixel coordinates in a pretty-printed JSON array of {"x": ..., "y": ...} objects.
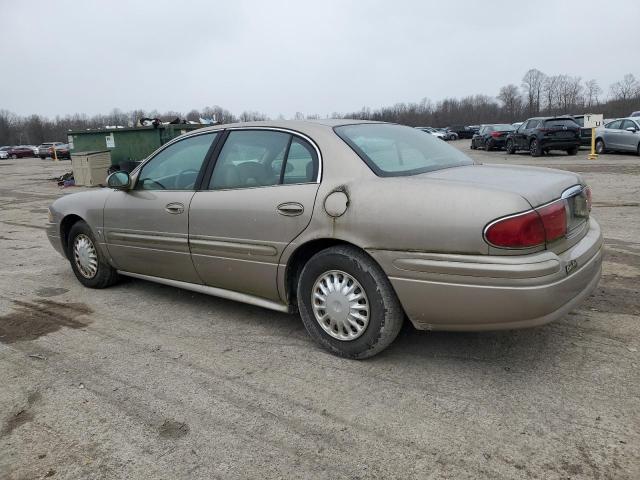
[{"x": 91, "y": 152}]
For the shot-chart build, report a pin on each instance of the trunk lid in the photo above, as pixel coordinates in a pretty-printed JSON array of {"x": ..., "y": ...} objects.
[{"x": 535, "y": 184}]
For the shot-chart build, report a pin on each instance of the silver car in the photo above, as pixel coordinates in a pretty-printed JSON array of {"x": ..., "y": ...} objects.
[
  {"x": 355, "y": 225},
  {"x": 621, "y": 135}
]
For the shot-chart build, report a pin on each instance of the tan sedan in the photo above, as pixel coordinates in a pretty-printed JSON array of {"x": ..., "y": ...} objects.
[{"x": 356, "y": 225}]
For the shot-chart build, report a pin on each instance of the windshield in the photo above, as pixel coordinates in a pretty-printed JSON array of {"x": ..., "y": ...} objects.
[
  {"x": 579, "y": 121},
  {"x": 393, "y": 150}
]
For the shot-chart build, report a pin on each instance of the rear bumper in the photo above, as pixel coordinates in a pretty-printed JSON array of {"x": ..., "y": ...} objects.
[
  {"x": 559, "y": 144},
  {"x": 471, "y": 293}
]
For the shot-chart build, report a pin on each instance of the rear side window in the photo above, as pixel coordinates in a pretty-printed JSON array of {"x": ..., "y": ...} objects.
[
  {"x": 262, "y": 158},
  {"x": 532, "y": 123},
  {"x": 560, "y": 122},
  {"x": 629, "y": 124},
  {"x": 394, "y": 150},
  {"x": 300, "y": 166}
]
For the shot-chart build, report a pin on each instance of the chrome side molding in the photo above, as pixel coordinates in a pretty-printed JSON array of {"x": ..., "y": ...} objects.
[{"x": 213, "y": 291}]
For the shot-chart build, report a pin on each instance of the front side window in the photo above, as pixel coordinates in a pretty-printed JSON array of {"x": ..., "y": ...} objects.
[
  {"x": 177, "y": 166},
  {"x": 394, "y": 150},
  {"x": 615, "y": 125}
]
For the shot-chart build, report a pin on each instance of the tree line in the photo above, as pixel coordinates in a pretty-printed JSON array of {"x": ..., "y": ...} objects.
[{"x": 538, "y": 94}]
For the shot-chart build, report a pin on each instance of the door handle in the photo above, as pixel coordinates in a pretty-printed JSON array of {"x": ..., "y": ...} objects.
[
  {"x": 174, "y": 208},
  {"x": 290, "y": 209}
]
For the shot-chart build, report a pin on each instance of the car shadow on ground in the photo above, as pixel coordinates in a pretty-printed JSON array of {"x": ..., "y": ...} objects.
[{"x": 510, "y": 347}]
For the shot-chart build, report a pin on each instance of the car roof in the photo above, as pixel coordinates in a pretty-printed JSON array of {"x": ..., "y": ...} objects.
[{"x": 303, "y": 126}]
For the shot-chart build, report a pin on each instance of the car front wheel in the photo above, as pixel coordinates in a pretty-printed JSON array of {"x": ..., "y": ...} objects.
[
  {"x": 572, "y": 151},
  {"x": 87, "y": 261},
  {"x": 347, "y": 303},
  {"x": 599, "y": 146},
  {"x": 510, "y": 148}
]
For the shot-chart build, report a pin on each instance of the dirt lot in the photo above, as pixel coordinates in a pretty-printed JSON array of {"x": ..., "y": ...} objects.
[{"x": 147, "y": 381}]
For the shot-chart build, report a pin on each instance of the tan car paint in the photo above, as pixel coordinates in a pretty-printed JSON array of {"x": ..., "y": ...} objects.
[{"x": 245, "y": 246}]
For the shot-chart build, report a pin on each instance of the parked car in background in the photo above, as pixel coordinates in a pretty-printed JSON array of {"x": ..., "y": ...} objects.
[
  {"x": 490, "y": 137},
  {"x": 585, "y": 133},
  {"x": 20, "y": 151},
  {"x": 62, "y": 151},
  {"x": 621, "y": 135},
  {"x": 433, "y": 131},
  {"x": 515, "y": 125},
  {"x": 299, "y": 216},
  {"x": 33, "y": 148},
  {"x": 474, "y": 128},
  {"x": 448, "y": 134},
  {"x": 4, "y": 152},
  {"x": 462, "y": 131},
  {"x": 542, "y": 134},
  {"x": 635, "y": 114},
  {"x": 44, "y": 149}
]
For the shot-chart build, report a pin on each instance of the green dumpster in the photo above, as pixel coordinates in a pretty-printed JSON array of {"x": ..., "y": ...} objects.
[{"x": 126, "y": 144}]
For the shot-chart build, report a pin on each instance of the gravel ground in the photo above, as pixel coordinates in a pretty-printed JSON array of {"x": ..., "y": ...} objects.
[{"x": 147, "y": 381}]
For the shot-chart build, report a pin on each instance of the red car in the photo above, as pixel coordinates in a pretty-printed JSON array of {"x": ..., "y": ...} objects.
[{"x": 20, "y": 152}]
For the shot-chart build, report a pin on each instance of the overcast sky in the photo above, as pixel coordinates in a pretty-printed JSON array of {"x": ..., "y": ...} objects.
[{"x": 279, "y": 57}]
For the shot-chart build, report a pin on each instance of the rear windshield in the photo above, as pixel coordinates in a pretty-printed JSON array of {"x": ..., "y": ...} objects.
[
  {"x": 394, "y": 150},
  {"x": 560, "y": 122},
  {"x": 503, "y": 128}
]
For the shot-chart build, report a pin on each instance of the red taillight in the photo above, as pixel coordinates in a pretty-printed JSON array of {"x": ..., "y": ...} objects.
[
  {"x": 520, "y": 231},
  {"x": 496, "y": 134},
  {"x": 529, "y": 229},
  {"x": 554, "y": 219}
]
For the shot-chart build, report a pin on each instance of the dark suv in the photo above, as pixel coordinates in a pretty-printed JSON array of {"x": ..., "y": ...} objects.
[{"x": 541, "y": 134}]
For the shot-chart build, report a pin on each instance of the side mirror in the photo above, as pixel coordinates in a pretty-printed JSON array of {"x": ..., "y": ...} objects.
[
  {"x": 119, "y": 180},
  {"x": 631, "y": 129}
]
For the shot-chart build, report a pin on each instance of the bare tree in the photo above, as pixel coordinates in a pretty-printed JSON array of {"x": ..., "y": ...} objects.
[
  {"x": 532, "y": 83},
  {"x": 510, "y": 96},
  {"x": 625, "y": 89},
  {"x": 591, "y": 92}
]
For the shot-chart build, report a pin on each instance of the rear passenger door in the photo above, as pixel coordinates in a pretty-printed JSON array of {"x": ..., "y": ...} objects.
[{"x": 259, "y": 197}]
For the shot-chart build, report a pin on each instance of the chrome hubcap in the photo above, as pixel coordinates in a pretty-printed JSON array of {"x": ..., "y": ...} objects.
[
  {"x": 340, "y": 305},
  {"x": 85, "y": 256}
]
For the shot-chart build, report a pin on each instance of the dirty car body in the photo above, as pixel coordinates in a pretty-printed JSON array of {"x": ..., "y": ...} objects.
[{"x": 358, "y": 225}]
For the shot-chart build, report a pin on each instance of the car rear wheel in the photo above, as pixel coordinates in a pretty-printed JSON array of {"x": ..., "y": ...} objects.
[
  {"x": 600, "y": 146},
  {"x": 347, "y": 303},
  {"x": 488, "y": 146},
  {"x": 572, "y": 151},
  {"x": 534, "y": 148},
  {"x": 87, "y": 261},
  {"x": 510, "y": 148}
]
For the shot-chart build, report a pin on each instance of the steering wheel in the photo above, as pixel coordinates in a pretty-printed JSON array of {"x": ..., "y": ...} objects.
[
  {"x": 184, "y": 173},
  {"x": 149, "y": 180}
]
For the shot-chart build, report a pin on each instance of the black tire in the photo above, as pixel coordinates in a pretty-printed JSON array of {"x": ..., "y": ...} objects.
[
  {"x": 42, "y": 157},
  {"x": 473, "y": 145},
  {"x": 105, "y": 274},
  {"x": 488, "y": 146},
  {"x": 600, "y": 148},
  {"x": 572, "y": 151},
  {"x": 385, "y": 312},
  {"x": 534, "y": 148},
  {"x": 509, "y": 147},
  {"x": 14, "y": 156}
]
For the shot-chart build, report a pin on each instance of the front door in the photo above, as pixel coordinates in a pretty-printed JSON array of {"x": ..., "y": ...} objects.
[
  {"x": 629, "y": 136},
  {"x": 612, "y": 134},
  {"x": 259, "y": 198},
  {"x": 146, "y": 228}
]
